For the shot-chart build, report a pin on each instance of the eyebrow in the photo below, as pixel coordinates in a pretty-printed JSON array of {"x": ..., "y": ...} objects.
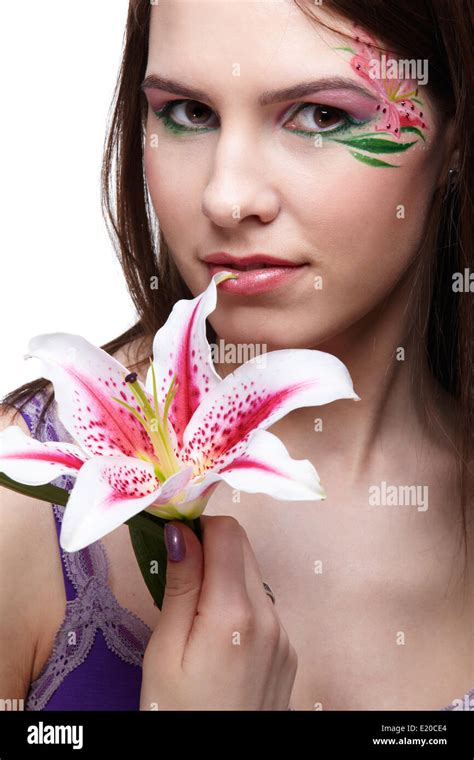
[{"x": 266, "y": 98}]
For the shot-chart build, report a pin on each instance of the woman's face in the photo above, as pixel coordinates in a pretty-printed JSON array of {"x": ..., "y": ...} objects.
[{"x": 234, "y": 169}]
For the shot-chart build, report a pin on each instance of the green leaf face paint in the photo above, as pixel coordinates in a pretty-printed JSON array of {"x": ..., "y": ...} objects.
[{"x": 398, "y": 112}]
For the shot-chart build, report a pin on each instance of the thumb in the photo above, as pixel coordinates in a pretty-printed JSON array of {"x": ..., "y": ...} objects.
[{"x": 184, "y": 571}]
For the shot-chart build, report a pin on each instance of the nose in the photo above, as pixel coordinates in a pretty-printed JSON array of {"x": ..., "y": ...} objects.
[{"x": 239, "y": 186}]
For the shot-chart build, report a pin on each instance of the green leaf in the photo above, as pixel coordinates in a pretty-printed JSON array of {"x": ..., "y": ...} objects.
[
  {"x": 415, "y": 130},
  {"x": 150, "y": 552},
  {"x": 374, "y": 144},
  {"x": 347, "y": 49},
  {"x": 417, "y": 100},
  {"x": 147, "y": 534},
  {"x": 371, "y": 161},
  {"x": 47, "y": 492}
]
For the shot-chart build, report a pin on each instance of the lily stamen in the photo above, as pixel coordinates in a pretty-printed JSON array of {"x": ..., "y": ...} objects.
[{"x": 153, "y": 424}]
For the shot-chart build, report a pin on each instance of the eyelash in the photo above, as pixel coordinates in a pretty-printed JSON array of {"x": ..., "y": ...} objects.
[{"x": 172, "y": 126}]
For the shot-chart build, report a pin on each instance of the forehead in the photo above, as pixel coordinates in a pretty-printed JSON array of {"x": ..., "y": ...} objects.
[{"x": 208, "y": 40}]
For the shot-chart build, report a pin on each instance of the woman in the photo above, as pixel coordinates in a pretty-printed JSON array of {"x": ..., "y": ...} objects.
[{"x": 289, "y": 130}]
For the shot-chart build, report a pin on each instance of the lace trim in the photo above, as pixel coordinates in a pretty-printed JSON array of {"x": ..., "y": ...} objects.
[{"x": 95, "y": 606}]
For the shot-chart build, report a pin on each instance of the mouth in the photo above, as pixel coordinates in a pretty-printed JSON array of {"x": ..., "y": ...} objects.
[
  {"x": 255, "y": 274},
  {"x": 251, "y": 261},
  {"x": 251, "y": 267}
]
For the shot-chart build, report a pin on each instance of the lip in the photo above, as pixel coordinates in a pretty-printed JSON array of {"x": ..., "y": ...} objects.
[
  {"x": 221, "y": 257},
  {"x": 255, "y": 280}
]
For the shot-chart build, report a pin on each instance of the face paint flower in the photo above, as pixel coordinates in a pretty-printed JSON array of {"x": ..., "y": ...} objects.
[
  {"x": 398, "y": 105},
  {"x": 165, "y": 446}
]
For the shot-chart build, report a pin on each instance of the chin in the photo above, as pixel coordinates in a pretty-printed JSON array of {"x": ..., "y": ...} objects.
[{"x": 272, "y": 336}]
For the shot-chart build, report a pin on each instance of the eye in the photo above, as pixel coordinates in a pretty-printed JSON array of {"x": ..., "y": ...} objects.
[
  {"x": 186, "y": 114},
  {"x": 317, "y": 118}
]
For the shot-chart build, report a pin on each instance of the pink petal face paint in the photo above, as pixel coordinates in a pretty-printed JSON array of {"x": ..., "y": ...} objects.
[{"x": 398, "y": 111}]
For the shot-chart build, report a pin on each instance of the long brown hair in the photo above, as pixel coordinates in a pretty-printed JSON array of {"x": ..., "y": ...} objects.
[{"x": 439, "y": 32}]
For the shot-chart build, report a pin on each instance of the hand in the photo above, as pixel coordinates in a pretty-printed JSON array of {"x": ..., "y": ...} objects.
[{"x": 218, "y": 644}]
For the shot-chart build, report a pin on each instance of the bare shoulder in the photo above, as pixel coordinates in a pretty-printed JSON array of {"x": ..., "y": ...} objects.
[{"x": 31, "y": 597}]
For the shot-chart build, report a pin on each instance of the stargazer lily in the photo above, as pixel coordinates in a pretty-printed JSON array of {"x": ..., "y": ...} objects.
[{"x": 164, "y": 446}]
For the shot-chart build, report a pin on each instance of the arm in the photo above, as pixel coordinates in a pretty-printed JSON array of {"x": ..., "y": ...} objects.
[{"x": 25, "y": 572}]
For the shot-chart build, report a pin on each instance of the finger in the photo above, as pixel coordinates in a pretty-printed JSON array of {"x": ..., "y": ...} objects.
[
  {"x": 224, "y": 574},
  {"x": 183, "y": 585}
]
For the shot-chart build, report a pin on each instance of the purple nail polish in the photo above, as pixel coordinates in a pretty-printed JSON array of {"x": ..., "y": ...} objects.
[{"x": 175, "y": 544}]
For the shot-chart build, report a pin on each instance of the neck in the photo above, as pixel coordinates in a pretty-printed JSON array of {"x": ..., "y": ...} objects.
[{"x": 401, "y": 401}]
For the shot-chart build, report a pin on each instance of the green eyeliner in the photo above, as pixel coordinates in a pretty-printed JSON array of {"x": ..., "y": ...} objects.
[{"x": 179, "y": 129}]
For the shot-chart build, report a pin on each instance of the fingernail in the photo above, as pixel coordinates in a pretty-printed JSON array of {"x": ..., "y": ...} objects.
[{"x": 175, "y": 544}]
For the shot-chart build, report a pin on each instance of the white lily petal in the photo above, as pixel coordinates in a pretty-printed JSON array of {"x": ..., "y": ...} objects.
[
  {"x": 255, "y": 397},
  {"x": 262, "y": 466},
  {"x": 181, "y": 347},
  {"x": 196, "y": 496},
  {"x": 34, "y": 462},
  {"x": 85, "y": 378},
  {"x": 266, "y": 467},
  {"x": 107, "y": 492}
]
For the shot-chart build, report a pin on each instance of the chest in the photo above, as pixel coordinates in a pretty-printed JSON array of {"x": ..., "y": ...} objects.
[{"x": 369, "y": 633}]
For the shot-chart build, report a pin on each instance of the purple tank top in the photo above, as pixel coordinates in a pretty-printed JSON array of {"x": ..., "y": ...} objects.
[{"x": 98, "y": 651}]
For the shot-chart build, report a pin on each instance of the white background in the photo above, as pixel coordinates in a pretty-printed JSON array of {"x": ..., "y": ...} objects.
[{"x": 58, "y": 67}]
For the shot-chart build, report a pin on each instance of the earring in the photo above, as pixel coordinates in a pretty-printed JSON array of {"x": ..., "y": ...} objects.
[{"x": 452, "y": 177}]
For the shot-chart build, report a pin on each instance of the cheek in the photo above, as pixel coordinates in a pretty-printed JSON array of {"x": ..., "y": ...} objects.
[
  {"x": 368, "y": 225},
  {"x": 173, "y": 192}
]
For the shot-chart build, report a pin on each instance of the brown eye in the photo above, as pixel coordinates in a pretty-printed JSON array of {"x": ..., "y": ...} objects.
[
  {"x": 197, "y": 113},
  {"x": 188, "y": 114},
  {"x": 311, "y": 117},
  {"x": 326, "y": 117}
]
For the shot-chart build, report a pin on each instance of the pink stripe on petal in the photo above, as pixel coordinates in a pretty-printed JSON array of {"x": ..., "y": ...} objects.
[
  {"x": 55, "y": 457},
  {"x": 255, "y": 471},
  {"x": 102, "y": 425},
  {"x": 85, "y": 378},
  {"x": 251, "y": 464},
  {"x": 253, "y": 397},
  {"x": 229, "y": 424},
  {"x": 189, "y": 393},
  {"x": 34, "y": 462},
  {"x": 180, "y": 347}
]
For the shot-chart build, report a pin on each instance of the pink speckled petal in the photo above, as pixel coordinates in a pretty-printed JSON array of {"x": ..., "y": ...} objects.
[
  {"x": 266, "y": 467},
  {"x": 255, "y": 397},
  {"x": 181, "y": 347},
  {"x": 389, "y": 119},
  {"x": 35, "y": 463},
  {"x": 110, "y": 490},
  {"x": 361, "y": 65},
  {"x": 85, "y": 378}
]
